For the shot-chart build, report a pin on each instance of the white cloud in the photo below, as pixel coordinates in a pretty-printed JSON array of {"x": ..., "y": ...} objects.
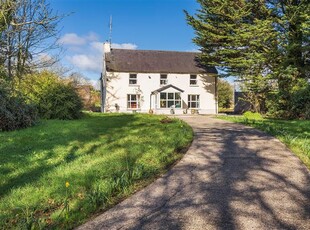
[
  {"x": 86, "y": 51},
  {"x": 128, "y": 46},
  {"x": 92, "y": 36},
  {"x": 72, "y": 39},
  {"x": 98, "y": 46},
  {"x": 86, "y": 62}
]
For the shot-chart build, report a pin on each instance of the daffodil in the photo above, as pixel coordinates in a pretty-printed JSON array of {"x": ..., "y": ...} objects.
[{"x": 67, "y": 184}]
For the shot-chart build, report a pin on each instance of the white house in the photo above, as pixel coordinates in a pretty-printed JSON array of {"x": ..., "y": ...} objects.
[{"x": 161, "y": 82}]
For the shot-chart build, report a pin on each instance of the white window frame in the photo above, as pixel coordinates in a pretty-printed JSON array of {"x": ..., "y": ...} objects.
[
  {"x": 193, "y": 80},
  {"x": 133, "y": 77},
  {"x": 130, "y": 100},
  {"x": 176, "y": 103},
  {"x": 191, "y": 100},
  {"x": 163, "y": 79}
]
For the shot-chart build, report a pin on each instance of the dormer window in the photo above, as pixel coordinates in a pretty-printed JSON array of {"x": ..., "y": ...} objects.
[
  {"x": 163, "y": 79},
  {"x": 132, "y": 79},
  {"x": 193, "y": 80}
]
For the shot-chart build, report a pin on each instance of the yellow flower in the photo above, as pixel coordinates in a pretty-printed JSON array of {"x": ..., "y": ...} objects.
[{"x": 67, "y": 184}]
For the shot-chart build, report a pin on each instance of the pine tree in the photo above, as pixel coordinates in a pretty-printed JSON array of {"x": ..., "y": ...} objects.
[
  {"x": 265, "y": 43},
  {"x": 292, "y": 20},
  {"x": 239, "y": 38}
]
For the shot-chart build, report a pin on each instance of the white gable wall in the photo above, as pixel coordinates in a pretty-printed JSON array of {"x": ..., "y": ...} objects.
[{"x": 118, "y": 88}]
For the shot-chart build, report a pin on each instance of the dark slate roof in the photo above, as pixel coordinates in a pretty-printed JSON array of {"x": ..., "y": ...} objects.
[
  {"x": 153, "y": 61},
  {"x": 167, "y": 87}
]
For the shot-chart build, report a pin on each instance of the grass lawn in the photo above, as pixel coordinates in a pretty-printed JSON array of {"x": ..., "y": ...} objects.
[
  {"x": 294, "y": 133},
  {"x": 104, "y": 157}
]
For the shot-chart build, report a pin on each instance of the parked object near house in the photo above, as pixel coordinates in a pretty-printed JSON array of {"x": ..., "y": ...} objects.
[{"x": 163, "y": 82}]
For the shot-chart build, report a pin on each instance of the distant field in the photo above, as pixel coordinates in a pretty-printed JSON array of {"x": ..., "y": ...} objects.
[
  {"x": 294, "y": 133},
  {"x": 104, "y": 158}
]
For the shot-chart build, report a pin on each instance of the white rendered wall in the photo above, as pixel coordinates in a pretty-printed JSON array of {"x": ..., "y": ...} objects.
[{"x": 118, "y": 87}]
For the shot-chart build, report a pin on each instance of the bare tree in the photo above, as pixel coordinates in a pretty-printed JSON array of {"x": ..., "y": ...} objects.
[{"x": 29, "y": 37}]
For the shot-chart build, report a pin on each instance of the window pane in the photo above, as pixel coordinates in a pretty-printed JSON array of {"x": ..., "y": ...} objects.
[
  {"x": 133, "y": 76},
  {"x": 193, "y": 82},
  {"x": 170, "y": 103},
  {"x": 177, "y": 96},
  {"x": 170, "y": 95},
  {"x": 163, "y": 104},
  {"x": 178, "y": 104},
  {"x": 133, "y": 105},
  {"x": 194, "y": 105},
  {"x": 132, "y": 82},
  {"x": 193, "y": 77},
  {"x": 133, "y": 97},
  {"x": 163, "y": 96}
]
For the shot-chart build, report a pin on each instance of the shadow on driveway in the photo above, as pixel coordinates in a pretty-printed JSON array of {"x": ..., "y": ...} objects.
[{"x": 232, "y": 177}]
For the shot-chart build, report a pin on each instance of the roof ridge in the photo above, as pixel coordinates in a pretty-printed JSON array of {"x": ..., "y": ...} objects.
[{"x": 171, "y": 51}]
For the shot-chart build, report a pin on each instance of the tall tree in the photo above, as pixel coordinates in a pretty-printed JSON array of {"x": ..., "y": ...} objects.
[
  {"x": 237, "y": 37},
  {"x": 31, "y": 33},
  {"x": 292, "y": 20},
  {"x": 265, "y": 43}
]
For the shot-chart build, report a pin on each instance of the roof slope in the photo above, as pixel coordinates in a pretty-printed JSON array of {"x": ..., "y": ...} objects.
[{"x": 153, "y": 61}]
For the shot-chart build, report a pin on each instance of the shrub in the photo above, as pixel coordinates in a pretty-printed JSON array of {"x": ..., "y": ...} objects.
[
  {"x": 301, "y": 103},
  {"x": 14, "y": 112},
  {"x": 60, "y": 102},
  {"x": 55, "y": 98}
]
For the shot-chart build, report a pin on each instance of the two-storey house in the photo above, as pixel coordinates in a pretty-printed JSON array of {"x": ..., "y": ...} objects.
[{"x": 160, "y": 82}]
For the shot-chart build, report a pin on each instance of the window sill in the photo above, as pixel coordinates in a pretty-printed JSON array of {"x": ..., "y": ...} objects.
[
  {"x": 194, "y": 85},
  {"x": 134, "y": 85}
]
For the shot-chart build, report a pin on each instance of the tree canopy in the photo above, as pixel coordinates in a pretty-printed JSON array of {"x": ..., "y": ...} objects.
[{"x": 264, "y": 43}]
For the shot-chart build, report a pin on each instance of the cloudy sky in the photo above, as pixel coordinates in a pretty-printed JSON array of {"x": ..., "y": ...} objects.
[{"x": 136, "y": 24}]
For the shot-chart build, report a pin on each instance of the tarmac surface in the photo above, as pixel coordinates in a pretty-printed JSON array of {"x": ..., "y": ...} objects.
[{"x": 232, "y": 177}]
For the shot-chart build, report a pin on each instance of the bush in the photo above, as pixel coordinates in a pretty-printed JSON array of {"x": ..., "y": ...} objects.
[
  {"x": 60, "y": 102},
  {"x": 14, "y": 112},
  {"x": 301, "y": 103},
  {"x": 54, "y": 98}
]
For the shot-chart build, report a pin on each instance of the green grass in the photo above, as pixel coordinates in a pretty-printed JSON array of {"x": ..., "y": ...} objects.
[
  {"x": 294, "y": 133},
  {"x": 104, "y": 157}
]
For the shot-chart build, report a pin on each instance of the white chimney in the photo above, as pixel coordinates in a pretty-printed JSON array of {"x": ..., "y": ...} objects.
[{"x": 107, "y": 47}]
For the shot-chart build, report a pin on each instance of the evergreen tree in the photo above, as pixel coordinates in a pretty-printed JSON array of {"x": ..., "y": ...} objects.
[
  {"x": 239, "y": 38},
  {"x": 292, "y": 20},
  {"x": 265, "y": 43}
]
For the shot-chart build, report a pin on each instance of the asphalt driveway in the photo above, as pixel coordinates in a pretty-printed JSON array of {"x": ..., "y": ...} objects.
[{"x": 232, "y": 177}]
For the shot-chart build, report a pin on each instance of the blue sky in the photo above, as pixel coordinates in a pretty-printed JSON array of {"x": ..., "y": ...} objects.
[{"x": 137, "y": 24}]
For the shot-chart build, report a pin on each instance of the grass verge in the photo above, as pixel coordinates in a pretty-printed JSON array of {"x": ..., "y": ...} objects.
[
  {"x": 103, "y": 157},
  {"x": 294, "y": 133}
]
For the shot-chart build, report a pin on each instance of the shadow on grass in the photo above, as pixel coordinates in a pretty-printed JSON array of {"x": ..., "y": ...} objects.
[
  {"x": 50, "y": 135},
  {"x": 232, "y": 178}
]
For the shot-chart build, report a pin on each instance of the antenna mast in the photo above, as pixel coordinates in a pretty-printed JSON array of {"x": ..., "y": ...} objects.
[{"x": 110, "y": 35}]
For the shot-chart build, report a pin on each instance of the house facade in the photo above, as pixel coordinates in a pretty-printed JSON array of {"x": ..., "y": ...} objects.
[{"x": 160, "y": 82}]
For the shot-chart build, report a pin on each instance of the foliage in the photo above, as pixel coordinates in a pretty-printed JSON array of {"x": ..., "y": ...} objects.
[
  {"x": 263, "y": 43},
  {"x": 104, "y": 157},
  {"x": 54, "y": 98},
  {"x": 14, "y": 112},
  {"x": 301, "y": 102},
  {"x": 294, "y": 133},
  {"x": 225, "y": 94},
  {"x": 30, "y": 31}
]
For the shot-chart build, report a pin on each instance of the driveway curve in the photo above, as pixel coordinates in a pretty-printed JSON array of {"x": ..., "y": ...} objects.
[{"x": 232, "y": 177}]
